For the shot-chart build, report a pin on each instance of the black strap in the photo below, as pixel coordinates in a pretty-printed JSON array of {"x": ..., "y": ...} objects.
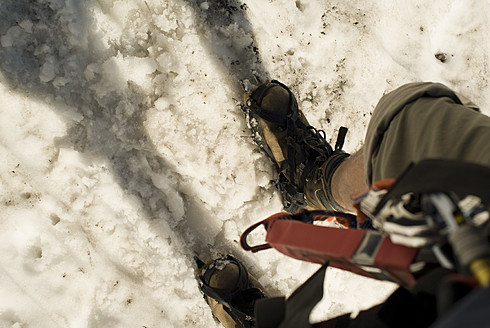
[
  {"x": 293, "y": 200},
  {"x": 436, "y": 175},
  {"x": 295, "y": 312},
  {"x": 270, "y": 312},
  {"x": 232, "y": 300},
  {"x": 469, "y": 312},
  {"x": 341, "y": 138}
]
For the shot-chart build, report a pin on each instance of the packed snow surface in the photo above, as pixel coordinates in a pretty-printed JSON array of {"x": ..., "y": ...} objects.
[{"x": 125, "y": 152}]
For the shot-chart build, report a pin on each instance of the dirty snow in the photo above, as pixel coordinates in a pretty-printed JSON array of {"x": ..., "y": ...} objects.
[{"x": 125, "y": 153}]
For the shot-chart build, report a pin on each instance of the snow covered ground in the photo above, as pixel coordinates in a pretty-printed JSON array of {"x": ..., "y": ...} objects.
[{"x": 124, "y": 152}]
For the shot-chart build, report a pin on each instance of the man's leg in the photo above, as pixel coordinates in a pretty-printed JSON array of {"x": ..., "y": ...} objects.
[
  {"x": 414, "y": 122},
  {"x": 387, "y": 152},
  {"x": 423, "y": 121},
  {"x": 349, "y": 179}
]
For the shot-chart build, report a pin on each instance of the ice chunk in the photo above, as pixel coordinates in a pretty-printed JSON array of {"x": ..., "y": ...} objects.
[
  {"x": 9, "y": 38},
  {"x": 47, "y": 72}
]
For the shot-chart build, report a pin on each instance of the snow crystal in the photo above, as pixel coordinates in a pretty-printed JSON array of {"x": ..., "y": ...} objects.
[{"x": 48, "y": 72}]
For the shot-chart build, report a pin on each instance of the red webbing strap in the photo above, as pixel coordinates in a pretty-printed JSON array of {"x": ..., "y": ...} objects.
[
  {"x": 396, "y": 259},
  {"x": 316, "y": 244}
]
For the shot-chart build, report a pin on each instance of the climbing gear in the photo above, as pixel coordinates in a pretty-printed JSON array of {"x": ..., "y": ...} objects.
[
  {"x": 449, "y": 202},
  {"x": 417, "y": 231},
  {"x": 470, "y": 247},
  {"x": 230, "y": 291},
  {"x": 362, "y": 251},
  {"x": 304, "y": 159}
]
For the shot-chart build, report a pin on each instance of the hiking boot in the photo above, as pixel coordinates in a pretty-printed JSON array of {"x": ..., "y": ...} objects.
[
  {"x": 305, "y": 160},
  {"x": 230, "y": 291}
]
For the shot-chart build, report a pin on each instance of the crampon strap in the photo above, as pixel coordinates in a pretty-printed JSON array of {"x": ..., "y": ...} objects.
[{"x": 365, "y": 252}]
